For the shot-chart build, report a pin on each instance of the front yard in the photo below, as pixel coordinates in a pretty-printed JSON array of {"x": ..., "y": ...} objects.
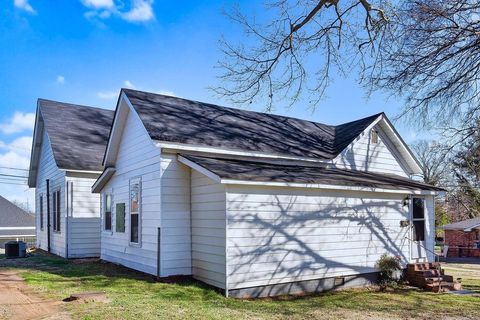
[{"x": 133, "y": 295}]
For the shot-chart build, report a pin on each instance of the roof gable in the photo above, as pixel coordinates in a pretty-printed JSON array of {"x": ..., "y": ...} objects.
[
  {"x": 78, "y": 135},
  {"x": 172, "y": 119},
  {"x": 13, "y": 216},
  {"x": 399, "y": 151}
]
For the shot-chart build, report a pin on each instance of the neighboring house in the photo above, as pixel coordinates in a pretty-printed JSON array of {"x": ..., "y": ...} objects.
[
  {"x": 15, "y": 223},
  {"x": 68, "y": 145},
  {"x": 258, "y": 204},
  {"x": 462, "y": 239}
]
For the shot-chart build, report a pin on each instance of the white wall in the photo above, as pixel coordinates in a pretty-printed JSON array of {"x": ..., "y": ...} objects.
[
  {"x": 137, "y": 157},
  {"x": 176, "y": 237},
  {"x": 83, "y": 217},
  {"x": 367, "y": 156},
  {"x": 47, "y": 169},
  {"x": 278, "y": 235},
  {"x": 208, "y": 230}
]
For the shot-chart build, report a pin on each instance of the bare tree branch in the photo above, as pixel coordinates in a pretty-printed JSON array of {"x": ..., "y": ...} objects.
[{"x": 272, "y": 63}]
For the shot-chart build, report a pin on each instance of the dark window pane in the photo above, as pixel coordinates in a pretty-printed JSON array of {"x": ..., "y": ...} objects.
[
  {"x": 134, "y": 228},
  {"x": 419, "y": 230},
  {"x": 54, "y": 210},
  {"x": 418, "y": 208},
  {"x": 58, "y": 211},
  {"x": 41, "y": 212},
  {"x": 108, "y": 221}
]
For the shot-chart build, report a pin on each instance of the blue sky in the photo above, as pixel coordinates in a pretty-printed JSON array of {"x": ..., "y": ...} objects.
[{"x": 84, "y": 51}]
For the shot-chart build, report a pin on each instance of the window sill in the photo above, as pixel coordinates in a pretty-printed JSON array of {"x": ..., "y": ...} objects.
[{"x": 135, "y": 244}]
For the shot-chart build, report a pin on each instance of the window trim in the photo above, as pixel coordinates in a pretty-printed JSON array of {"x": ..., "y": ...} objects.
[
  {"x": 104, "y": 211},
  {"x": 133, "y": 181}
]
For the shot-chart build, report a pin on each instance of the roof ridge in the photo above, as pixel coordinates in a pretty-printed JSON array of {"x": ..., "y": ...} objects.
[
  {"x": 258, "y": 112},
  {"x": 69, "y": 104}
]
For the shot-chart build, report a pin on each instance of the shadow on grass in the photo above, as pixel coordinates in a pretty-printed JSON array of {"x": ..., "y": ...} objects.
[
  {"x": 91, "y": 273},
  {"x": 131, "y": 289}
]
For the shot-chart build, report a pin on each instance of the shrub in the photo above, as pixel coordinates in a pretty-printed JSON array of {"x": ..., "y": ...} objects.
[{"x": 389, "y": 271}]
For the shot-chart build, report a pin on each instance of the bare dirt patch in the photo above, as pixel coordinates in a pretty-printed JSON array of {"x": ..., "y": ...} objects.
[
  {"x": 88, "y": 297},
  {"x": 17, "y": 301}
]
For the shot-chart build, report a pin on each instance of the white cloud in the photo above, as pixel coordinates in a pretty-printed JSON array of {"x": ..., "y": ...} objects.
[
  {"x": 16, "y": 154},
  {"x": 97, "y": 4},
  {"x": 60, "y": 79},
  {"x": 141, "y": 11},
  {"x": 110, "y": 95},
  {"x": 128, "y": 84},
  {"x": 107, "y": 95},
  {"x": 18, "y": 160},
  {"x": 24, "y": 5},
  {"x": 18, "y": 123},
  {"x": 138, "y": 11},
  {"x": 166, "y": 93},
  {"x": 21, "y": 145}
]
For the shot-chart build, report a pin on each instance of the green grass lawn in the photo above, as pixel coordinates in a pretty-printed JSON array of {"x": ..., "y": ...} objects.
[{"x": 134, "y": 295}]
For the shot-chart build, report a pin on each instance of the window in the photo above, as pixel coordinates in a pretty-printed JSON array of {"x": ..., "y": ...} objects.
[
  {"x": 56, "y": 211},
  {"x": 108, "y": 212},
  {"x": 135, "y": 207},
  {"x": 41, "y": 211},
  {"x": 374, "y": 137},
  {"x": 418, "y": 217}
]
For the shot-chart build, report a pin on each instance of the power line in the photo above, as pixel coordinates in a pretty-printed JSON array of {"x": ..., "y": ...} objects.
[
  {"x": 11, "y": 168},
  {"x": 13, "y": 179},
  {"x": 13, "y": 175},
  {"x": 13, "y": 183}
]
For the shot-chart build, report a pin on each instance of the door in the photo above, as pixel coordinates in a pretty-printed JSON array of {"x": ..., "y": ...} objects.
[{"x": 417, "y": 214}]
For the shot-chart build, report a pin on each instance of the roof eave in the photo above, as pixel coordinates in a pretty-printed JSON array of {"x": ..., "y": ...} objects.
[
  {"x": 36, "y": 145},
  {"x": 103, "y": 179}
]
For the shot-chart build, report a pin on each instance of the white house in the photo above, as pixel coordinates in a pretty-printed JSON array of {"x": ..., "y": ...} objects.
[
  {"x": 258, "y": 204},
  {"x": 68, "y": 146}
]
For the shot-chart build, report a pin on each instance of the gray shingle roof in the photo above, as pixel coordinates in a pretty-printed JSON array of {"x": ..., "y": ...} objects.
[
  {"x": 179, "y": 120},
  {"x": 78, "y": 134},
  {"x": 304, "y": 173},
  {"x": 13, "y": 216},
  {"x": 462, "y": 225}
]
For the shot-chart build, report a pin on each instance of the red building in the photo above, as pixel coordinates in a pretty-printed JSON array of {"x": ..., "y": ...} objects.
[{"x": 462, "y": 239}]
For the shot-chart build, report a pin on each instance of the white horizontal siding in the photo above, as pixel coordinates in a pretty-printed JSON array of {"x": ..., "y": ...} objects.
[
  {"x": 176, "y": 238},
  {"x": 83, "y": 216},
  {"x": 208, "y": 230},
  {"x": 47, "y": 169},
  {"x": 83, "y": 237},
  {"x": 366, "y": 156},
  {"x": 84, "y": 204},
  {"x": 137, "y": 157},
  {"x": 278, "y": 235}
]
